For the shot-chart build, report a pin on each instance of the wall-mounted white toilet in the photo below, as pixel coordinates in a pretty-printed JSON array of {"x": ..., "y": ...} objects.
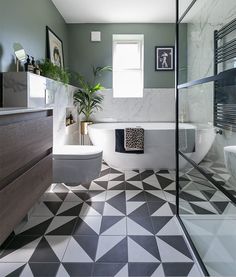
[
  {"x": 230, "y": 160},
  {"x": 76, "y": 164}
]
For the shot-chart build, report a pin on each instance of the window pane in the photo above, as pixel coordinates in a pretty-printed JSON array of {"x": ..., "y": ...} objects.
[
  {"x": 127, "y": 56},
  {"x": 128, "y": 84}
]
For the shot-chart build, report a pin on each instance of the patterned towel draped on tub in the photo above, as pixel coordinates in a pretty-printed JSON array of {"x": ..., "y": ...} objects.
[{"x": 134, "y": 139}]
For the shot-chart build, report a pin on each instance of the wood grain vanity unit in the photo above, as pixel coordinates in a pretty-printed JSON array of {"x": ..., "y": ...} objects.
[{"x": 26, "y": 138}]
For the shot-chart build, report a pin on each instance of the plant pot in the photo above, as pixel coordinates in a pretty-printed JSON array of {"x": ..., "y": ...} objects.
[{"x": 84, "y": 127}]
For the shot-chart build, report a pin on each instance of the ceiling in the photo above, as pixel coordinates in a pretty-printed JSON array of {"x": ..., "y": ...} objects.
[{"x": 117, "y": 11}]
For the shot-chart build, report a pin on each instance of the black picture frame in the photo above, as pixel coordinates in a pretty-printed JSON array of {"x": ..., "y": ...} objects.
[
  {"x": 55, "y": 52},
  {"x": 164, "y": 58}
]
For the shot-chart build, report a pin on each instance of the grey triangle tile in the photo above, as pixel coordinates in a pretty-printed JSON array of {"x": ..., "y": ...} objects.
[
  {"x": 20, "y": 249},
  {"x": 62, "y": 195},
  {"x": 53, "y": 206},
  {"x": 139, "y": 197},
  {"x": 178, "y": 243},
  {"x": 62, "y": 272},
  {"x": 116, "y": 185},
  {"x": 107, "y": 269},
  {"x": 163, "y": 181},
  {"x": 16, "y": 272},
  {"x": 118, "y": 202},
  {"x": 200, "y": 210},
  {"x": 118, "y": 254},
  {"x": 102, "y": 184},
  {"x": 153, "y": 196},
  {"x": 145, "y": 174},
  {"x": 149, "y": 187},
  {"x": 159, "y": 222},
  {"x": 60, "y": 188},
  {"x": 82, "y": 228},
  {"x": 97, "y": 206},
  {"x": 149, "y": 244},
  {"x": 189, "y": 197},
  {"x": 141, "y": 211},
  {"x": 134, "y": 185},
  {"x": 75, "y": 253},
  {"x": 109, "y": 221},
  {"x": 154, "y": 206},
  {"x": 74, "y": 211},
  {"x": 78, "y": 269},
  {"x": 96, "y": 196},
  {"x": 123, "y": 272},
  {"x": 106, "y": 243},
  {"x": 144, "y": 222},
  {"x": 39, "y": 229},
  {"x": 58, "y": 244},
  {"x": 44, "y": 253},
  {"x": 118, "y": 178},
  {"x": 63, "y": 229},
  {"x": 83, "y": 195},
  {"x": 220, "y": 206},
  {"x": 135, "y": 178},
  {"x": 173, "y": 207},
  {"x": 142, "y": 269},
  {"x": 89, "y": 244},
  {"x": 105, "y": 172},
  {"x": 44, "y": 269},
  {"x": 177, "y": 269}
]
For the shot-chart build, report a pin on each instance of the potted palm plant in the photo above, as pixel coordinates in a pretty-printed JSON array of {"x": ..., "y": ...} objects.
[{"x": 88, "y": 97}]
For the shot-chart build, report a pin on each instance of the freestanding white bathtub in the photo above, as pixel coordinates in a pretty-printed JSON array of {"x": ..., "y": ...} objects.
[{"x": 159, "y": 144}]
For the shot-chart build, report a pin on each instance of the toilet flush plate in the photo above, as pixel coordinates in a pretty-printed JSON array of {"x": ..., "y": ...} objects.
[{"x": 49, "y": 97}]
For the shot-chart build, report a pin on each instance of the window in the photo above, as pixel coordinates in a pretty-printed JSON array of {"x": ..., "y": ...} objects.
[{"x": 128, "y": 65}]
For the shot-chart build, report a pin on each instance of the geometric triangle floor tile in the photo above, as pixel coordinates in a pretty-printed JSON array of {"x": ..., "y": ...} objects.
[{"x": 122, "y": 224}]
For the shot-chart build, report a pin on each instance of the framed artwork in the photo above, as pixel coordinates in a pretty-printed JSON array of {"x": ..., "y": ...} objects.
[
  {"x": 164, "y": 58},
  {"x": 54, "y": 48}
]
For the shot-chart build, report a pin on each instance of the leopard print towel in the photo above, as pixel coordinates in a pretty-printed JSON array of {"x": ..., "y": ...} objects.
[{"x": 134, "y": 139}]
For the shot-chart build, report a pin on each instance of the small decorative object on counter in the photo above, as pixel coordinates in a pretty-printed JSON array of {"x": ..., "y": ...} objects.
[
  {"x": 67, "y": 121},
  {"x": 33, "y": 62},
  {"x": 37, "y": 70},
  {"x": 28, "y": 65},
  {"x": 71, "y": 118}
]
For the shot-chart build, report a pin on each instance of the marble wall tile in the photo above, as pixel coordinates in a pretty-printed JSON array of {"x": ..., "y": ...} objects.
[
  {"x": 205, "y": 17},
  {"x": 156, "y": 105}
]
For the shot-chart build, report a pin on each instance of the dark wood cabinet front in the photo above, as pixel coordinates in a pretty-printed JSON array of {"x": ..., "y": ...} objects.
[{"x": 25, "y": 165}]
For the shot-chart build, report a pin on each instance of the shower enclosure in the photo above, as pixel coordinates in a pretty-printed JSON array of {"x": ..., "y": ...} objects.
[{"x": 206, "y": 98}]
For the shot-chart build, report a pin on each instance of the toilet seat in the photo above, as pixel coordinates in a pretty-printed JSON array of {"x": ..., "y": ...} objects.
[{"x": 76, "y": 152}]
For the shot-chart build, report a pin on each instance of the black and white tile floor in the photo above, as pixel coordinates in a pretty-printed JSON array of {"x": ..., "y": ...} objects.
[
  {"x": 210, "y": 217},
  {"x": 199, "y": 196},
  {"x": 122, "y": 224}
]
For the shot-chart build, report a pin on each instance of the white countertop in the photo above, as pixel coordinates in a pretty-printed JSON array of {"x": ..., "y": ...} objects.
[{"x": 7, "y": 111}]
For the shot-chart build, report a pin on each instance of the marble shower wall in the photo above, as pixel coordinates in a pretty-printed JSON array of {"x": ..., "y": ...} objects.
[
  {"x": 156, "y": 105},
  {"x": 205, "y": 17}
]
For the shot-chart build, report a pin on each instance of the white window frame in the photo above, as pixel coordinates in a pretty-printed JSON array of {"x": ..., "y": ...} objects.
[{"x": 129, "y": 39}]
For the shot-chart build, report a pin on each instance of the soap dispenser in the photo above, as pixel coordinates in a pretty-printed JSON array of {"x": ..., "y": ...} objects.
[
  {"x": 33, "y": 63},
  {"x": 27, "y": 63}
]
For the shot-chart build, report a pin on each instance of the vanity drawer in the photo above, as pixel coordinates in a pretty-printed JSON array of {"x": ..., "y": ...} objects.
[
  {"x": 18, "y": 197},
  {"x": 23, "y": 141}
]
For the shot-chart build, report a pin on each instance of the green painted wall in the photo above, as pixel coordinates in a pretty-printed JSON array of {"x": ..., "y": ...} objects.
[
  {"x": 83, "y": 53},
  {"x": 25, "y": 21}
]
